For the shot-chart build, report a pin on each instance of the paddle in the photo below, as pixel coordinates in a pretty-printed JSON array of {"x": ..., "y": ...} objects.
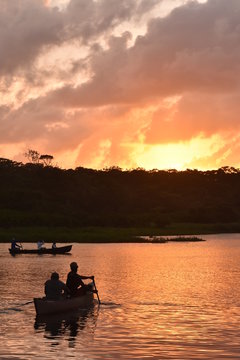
[
  {"x": 28, "y": 302},
  {"x": 15, "y": 307},
  {"x": 99, "y": 302}
]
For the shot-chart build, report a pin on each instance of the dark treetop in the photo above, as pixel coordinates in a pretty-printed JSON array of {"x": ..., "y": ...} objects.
[{"x": 34, "y": 194}]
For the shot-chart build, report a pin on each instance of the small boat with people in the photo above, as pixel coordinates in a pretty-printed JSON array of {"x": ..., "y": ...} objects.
[
  {"x": 43, "y": 250},
  {"x": 61, "y": 297},
  {"x": 43, "y": 306}
]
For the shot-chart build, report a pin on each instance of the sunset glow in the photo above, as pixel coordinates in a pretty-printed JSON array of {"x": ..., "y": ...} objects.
[{"x": 121, "y": 83}]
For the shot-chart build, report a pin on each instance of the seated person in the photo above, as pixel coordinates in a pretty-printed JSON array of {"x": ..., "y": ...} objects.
[
  {"x": 54, "y": 288},
  {"x": 40, "y": 244},
  {"x": 14, "y": 244},
  {"x": 75, "y": 283}
]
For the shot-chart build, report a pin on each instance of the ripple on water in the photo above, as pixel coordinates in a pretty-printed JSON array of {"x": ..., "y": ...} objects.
[{"x": 158, "y": 302}]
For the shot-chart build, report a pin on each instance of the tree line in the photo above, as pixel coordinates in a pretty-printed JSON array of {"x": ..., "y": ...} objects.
[{"x": 38, "y": 194}]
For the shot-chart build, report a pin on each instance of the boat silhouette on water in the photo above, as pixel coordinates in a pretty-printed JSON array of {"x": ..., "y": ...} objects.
[
  {"x": 54, "y": 251},
  {"x": 44, "y": 306}
]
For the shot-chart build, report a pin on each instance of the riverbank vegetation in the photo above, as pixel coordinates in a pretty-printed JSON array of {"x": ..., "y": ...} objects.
[
  {"x": 82, "y": 235},
  {"x": 86, "y": 205}
]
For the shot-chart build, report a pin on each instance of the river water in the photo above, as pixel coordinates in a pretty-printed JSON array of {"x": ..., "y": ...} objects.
[{"x": 160, "y": 301}]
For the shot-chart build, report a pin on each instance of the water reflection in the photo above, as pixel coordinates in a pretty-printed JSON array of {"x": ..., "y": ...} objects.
[
  {"x": 67, "y": 325},
  {"x": 177, "y": 301}
]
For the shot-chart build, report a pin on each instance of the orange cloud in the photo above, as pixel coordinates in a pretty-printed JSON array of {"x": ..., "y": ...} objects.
[{"x": 175, "y": 85}]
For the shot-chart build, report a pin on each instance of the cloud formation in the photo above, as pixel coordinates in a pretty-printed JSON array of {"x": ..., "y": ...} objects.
[
  {"x": 112, "y": 91},
  {"x": 28, "y": 27}
]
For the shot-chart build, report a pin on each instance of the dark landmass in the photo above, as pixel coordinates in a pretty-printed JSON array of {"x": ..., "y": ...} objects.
[
  {"x": 85, "y": 235},
  {"x": 186, "y": 239},
  {"x": 111, "y": 205},
  {"x": 162, "y": 240}
]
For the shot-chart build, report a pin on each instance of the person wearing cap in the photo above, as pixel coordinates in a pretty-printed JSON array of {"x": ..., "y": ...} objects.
[
  {"x": 75, "y": 281},
  {"x": 54, "y": 288}
]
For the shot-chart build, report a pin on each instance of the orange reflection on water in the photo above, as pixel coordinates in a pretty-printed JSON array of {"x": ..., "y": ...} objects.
[{"x": 160, "y": 301}]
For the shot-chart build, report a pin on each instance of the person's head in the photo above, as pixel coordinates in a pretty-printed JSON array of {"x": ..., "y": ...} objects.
[
  {"x": 74, "y": 266},
  {"x": 54, "y": 276}
]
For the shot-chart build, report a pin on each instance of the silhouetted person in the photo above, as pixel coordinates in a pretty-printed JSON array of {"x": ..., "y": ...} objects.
[
  {"x": 54, "y": 245},
  {"x": 54, "y": 288},
  {"x": 14, "y": 244},
  {"x": 75, "y": 281}
]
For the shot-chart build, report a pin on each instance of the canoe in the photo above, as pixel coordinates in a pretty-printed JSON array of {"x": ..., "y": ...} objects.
[
  {"x": 45, "y": 307},
  {"x": 58, "y": 250}
]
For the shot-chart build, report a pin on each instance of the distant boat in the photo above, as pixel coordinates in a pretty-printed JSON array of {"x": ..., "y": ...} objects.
[
  {"x": 57, "y": 250},
  {"x": 45, "y": 307}
]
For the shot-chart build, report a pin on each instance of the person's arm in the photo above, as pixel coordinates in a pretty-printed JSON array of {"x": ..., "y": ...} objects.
[{"x": 80, "y": 279}]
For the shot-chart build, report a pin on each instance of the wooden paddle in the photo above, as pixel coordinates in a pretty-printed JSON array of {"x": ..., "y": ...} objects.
[{"x": 99, "y": 302}]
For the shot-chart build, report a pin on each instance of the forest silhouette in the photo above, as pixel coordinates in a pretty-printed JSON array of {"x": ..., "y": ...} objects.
[{"x": 37, "y": 195}]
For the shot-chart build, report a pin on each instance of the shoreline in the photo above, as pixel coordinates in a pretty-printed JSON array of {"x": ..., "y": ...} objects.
[{"x": 111, "y": 235}]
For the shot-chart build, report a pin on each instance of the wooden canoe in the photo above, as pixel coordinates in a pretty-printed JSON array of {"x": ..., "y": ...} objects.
[
  {"x": 57, "y": 250},
  {"x": 45, "y": 307}
]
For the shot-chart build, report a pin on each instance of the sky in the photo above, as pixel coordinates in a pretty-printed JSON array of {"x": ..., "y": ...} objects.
[{"x": 131, "y": 83}]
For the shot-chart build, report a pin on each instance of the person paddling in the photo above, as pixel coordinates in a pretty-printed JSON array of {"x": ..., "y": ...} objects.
[
  {"x": 75, "y": 281},
  {"x": 14, "y": 244}
]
